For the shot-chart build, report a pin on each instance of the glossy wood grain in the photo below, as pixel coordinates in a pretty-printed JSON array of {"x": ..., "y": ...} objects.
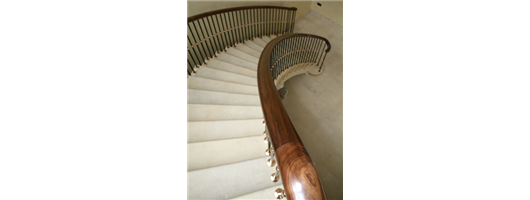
[
  {"x": 299, "y": 175},
  {"x": 206, "y": 14}
]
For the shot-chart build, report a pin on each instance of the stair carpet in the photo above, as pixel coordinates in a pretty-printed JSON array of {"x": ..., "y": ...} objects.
[{"x": 226, "y": 151}]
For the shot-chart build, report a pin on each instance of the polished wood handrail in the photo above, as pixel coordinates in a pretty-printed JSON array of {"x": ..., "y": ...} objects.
[
  {"x": 299, "y": 174},
  {"x": 206, "y": 14}
]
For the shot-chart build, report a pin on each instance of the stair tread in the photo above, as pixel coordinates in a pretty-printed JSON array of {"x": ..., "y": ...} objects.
[
  {"x": 200, "y": 131},
  {"x": 208, "y": 112},
  {"x": 211, "y": 73},
  {"x": 260, "y": 42},
  {"x": 237, "y": 52},
  {"x": 237, "y": 61},
  {"x": 201, "y": 83},
  {"x": 254, "y": 46},
  {"x": 221, "y": 98},
  {"x": 267, "y": 193},
  {"x": 232, "y": 68},
  {"x": 231, "y": 180},
  {"x": 208, "y": 154},
  {"x": 249, "y": 50}
]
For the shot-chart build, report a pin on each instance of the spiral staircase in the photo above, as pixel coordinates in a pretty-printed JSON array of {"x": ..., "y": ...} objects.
[{"x": 233, "y": 78}]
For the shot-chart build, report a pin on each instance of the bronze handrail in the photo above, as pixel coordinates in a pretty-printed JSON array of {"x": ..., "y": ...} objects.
[
  {"x": 206, "y": 14},
  {"x": 299, "y": 174}
]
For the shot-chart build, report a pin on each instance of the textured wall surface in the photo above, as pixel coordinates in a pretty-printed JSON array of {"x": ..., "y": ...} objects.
[{"x": 331, "y": 10}]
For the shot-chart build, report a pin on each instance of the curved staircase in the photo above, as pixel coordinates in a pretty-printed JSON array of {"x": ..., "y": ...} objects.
[{"x": 226, "y": 146}]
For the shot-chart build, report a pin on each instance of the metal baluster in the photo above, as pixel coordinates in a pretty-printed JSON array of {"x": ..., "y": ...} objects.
[
  {"x": 194, "y": 59},
  {"x": 268, "y": 22},
  {"x": 258, "y": 23},
  {"x": 202, "y": 45},
  {"x": 211, "y": 46},
  {"x": 245, "y": 23},
  {"x": 196, "y": 44},
  {"x": 286, "y": 25},
  {"x": 290, "y": 41},
  {"x": 212, "y": 33},
  {"x": 234, "y": 27},
  {"x": 325, "y": 54},
  {"x": 226, "y": 31},
  {"x": 319, "y": 50},
  {"x": 216, "y": 33},
  {"x": 219, "y": 37},
  {"x": 291, "y": 24},
  {"x": 221, "y": 32},
  {"x": 284, "y": 60},
  {"x": 311, "y": 48},
  {"x": 255, "y": 23},
  {"x": 190, "y": 66},
  {"x": 241, "y": 27},
  {"x": 232, "y": 31},
  {"x": 284, "y": 19}
]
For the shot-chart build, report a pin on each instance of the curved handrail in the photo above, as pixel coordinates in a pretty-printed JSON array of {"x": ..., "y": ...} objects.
[
  {"x": 213, "y": 32},
  {"x": 299, "y": 174},
  {"x": 206, "y": 14}
]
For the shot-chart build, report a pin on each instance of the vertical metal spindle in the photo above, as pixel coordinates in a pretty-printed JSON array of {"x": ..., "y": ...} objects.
[
  {"x": 212, "y": 34},
  {"x": 196, "y": 60},
  {"x": 245, "y": 23},
  {"x": 233, "y": 27},
  {"x": 284, "y": 19},
  {"x": 204, "y": 38},
  {"x": 288, "y": 22},
  {"x": 284, "y": 59},
  {"x": 211, "y": 46},
  {"x": 306, "y": 46},
  {"x": 196, "y": 44},
  {"x": 256, "y": 24},
  {"x": 220, "y": 33},
  {"x": 241, "y": 26},
  {"x": 293, "y": 20},
  {"x": 311, "y": 48},
  {"x": 206, "y": 52},
  {"x": 191, "y": 67},
  {"x": 273, "y": 21},
  {"x": 249, "y": 24},
  {"x": 225, "y": 30},
  {"x": 320, "y": 69},
  {"x": 216, "y": 33},
  {"x": 317, "y": 47},
  {"x": 268, "y": 22},
  {"x": 229, "y": 30}
]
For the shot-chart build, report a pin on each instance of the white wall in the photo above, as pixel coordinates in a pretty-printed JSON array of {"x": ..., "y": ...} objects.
[{"x": 329, "y": 9}]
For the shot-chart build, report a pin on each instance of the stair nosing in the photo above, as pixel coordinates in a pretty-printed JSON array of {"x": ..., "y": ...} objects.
[
  {"x": 227, "y": 72},
  {"x": 240, "y": 59},
  {"x": 231, "y": 64},
  {"x": 226, "y": 139},
  {"x": 225, "y": 81},
  {"x": 245, "y": 53},
  {"x": 228, "y": 164},
  {"x": 241, "y": 44},
  {"x": 224, "y": 92}
]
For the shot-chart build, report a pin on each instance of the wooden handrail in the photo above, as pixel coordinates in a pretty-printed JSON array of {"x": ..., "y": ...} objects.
[
  {"x": 299, "y": 174},
  {"x": 206, "y": 14}
]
